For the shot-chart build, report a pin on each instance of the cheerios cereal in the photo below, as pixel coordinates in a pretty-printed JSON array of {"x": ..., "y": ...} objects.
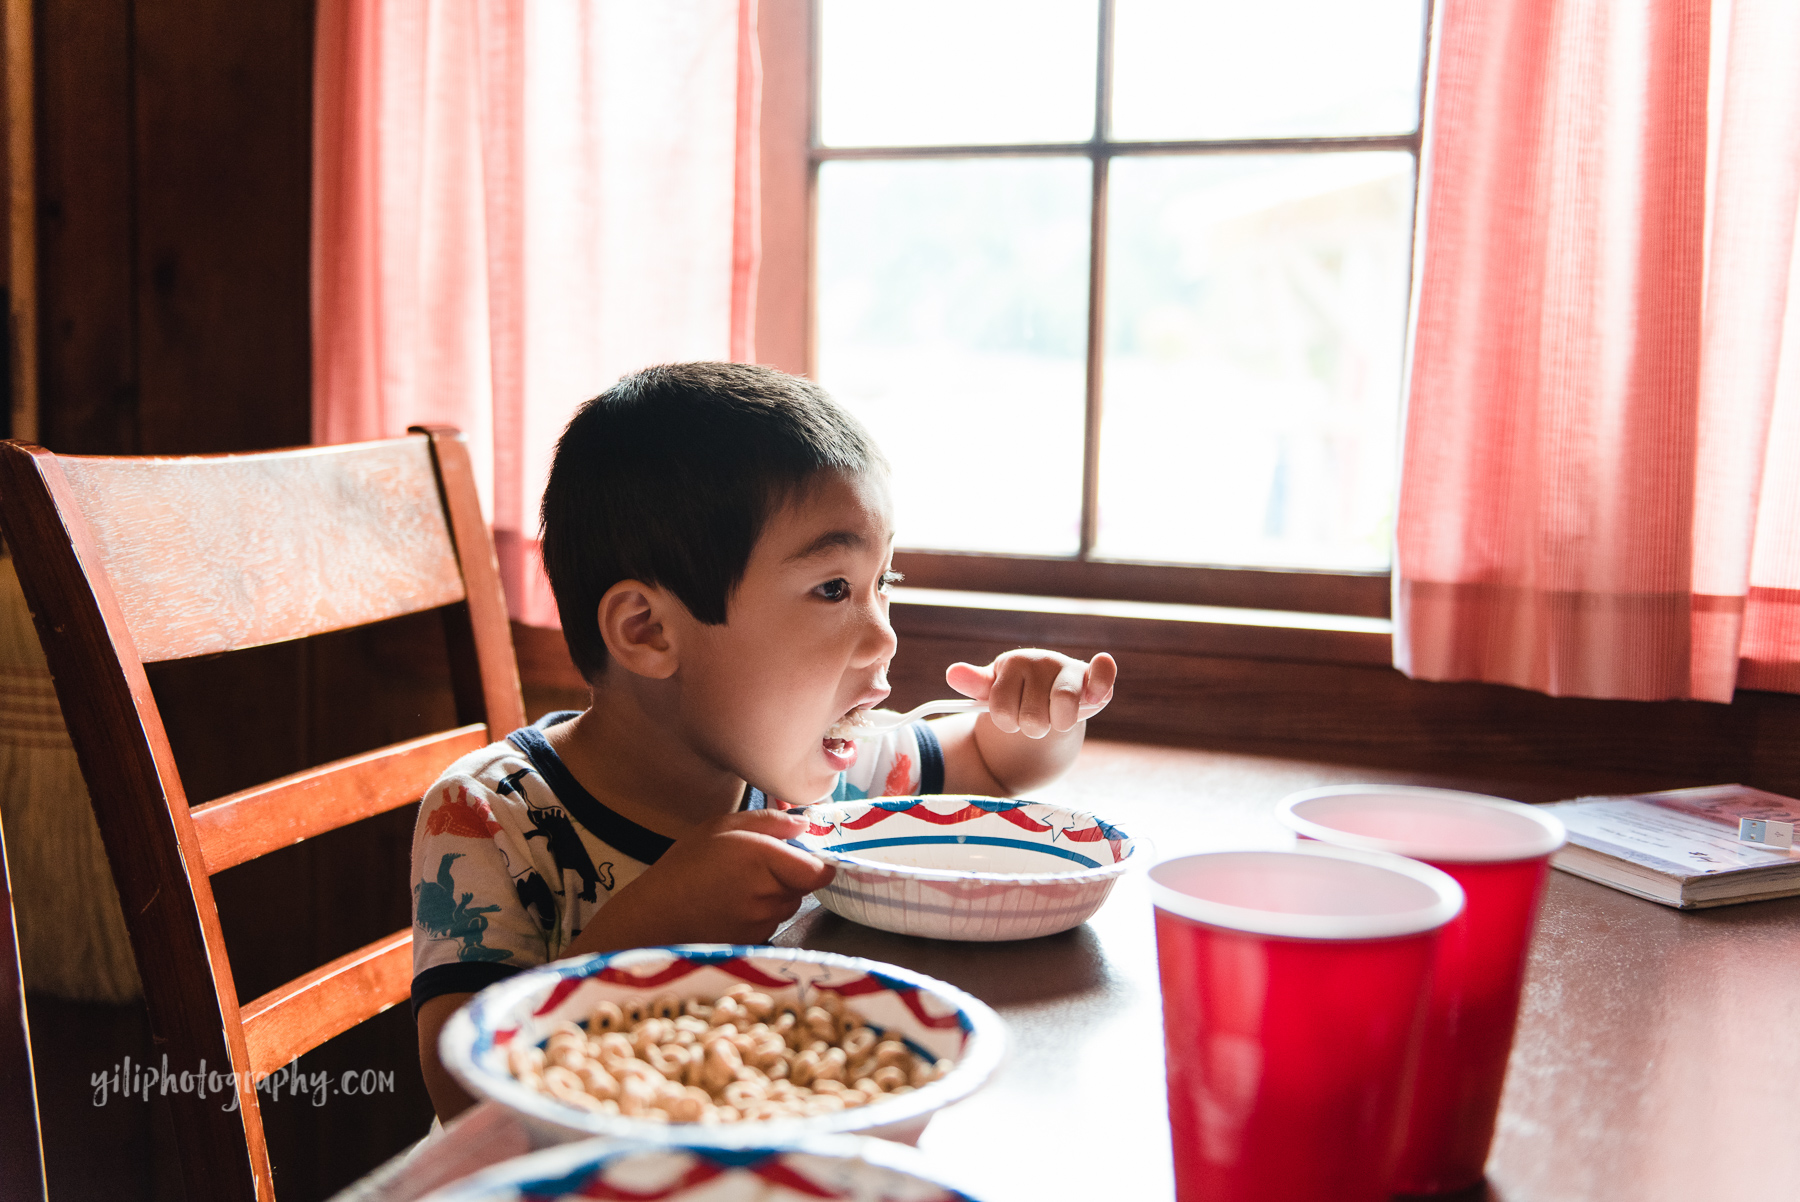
[{"x": 736, "y": 1058}]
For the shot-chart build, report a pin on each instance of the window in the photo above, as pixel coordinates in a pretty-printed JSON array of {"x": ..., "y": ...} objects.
[{"x": 1121, "y": 286}]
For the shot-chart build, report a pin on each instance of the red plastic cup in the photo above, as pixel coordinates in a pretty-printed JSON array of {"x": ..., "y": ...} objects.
[
  {"x": 1294, "y": 989},
  {"x": 1499, "y": 852}
]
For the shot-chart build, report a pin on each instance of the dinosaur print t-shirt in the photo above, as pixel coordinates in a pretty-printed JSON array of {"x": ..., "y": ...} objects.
[{"x": 511, "y": 857}]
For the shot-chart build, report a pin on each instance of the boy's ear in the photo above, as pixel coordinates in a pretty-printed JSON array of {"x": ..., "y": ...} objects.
[{"x": 635, "y": 622}]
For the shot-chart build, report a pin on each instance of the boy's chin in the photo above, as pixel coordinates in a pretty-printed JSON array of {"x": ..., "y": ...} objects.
[
  {"x": 803, "y": 788},
  {"x": 784, "y": 800}
]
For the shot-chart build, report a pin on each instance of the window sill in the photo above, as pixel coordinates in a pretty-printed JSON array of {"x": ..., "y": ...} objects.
[{"x": 1144, "y": 626}]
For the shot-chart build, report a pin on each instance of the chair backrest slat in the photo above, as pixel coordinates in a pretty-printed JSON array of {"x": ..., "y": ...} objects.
[
  {"x": 256, "y": 821},
  {"x": 297, "y": 1017},
  {"x": 484, "y": 671},
  {"x": 218, "y": 553}
]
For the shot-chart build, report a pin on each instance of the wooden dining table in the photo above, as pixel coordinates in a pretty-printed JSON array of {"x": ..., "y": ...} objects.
[{"x": 1657, "y": 1057}]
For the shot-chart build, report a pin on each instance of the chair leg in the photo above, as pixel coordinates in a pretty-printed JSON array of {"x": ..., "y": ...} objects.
[{"x": 21, "y": 1147}]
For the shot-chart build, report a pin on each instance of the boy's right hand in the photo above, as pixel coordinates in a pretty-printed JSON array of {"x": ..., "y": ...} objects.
[{"x": 733, "y": 881}]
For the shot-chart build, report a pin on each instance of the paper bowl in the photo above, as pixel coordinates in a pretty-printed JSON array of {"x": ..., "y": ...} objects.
[
  {"x": 838, "y": 1167},
  {"x": 974, "y": 868},
  {"x": 939, "y": 1021}
]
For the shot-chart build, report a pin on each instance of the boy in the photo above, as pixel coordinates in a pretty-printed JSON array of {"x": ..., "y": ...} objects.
[{"x": 719, "y": 541}]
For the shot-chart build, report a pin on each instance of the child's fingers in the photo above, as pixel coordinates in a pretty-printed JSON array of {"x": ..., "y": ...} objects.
[
  {"x": 1050, "y": 691},
  {"x": 970, "y": 680},
  {"x": 777, "y": 824},
  {"x": 1101, "y": 674},
  {"x": 800, "y": 871},
  {"x": 1035, "y": 692},
  {"x": 1005, "y": 700},
  {"x": 1066, "y": 692}
]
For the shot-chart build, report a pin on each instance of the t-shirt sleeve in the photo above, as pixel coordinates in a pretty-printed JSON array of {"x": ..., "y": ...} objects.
[
  {"x": 470, "y": 927},
  {"x": 903, "y": 763}
]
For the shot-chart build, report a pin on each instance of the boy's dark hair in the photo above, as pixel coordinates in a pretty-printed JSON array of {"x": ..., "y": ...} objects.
[{"x": 668, "y": 477}]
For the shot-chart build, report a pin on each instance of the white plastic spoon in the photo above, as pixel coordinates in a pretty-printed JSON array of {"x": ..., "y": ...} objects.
[{"x": 878, "y": 722}]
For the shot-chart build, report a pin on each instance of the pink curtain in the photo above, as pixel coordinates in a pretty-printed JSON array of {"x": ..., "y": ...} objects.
[
  {"x": 1601, "y": 485},
  {"x": 516, "y": 202}
]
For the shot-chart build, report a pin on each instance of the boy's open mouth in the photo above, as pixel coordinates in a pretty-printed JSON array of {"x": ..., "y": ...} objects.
[
  {"x": 840, "y": 740},
  {"x": 850, "y": 725}
]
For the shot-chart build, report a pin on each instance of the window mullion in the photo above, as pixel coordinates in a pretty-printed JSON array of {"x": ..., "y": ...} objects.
[
  {"x": 1090, "y": 450},
  {"x": 1102, "y": 160}
]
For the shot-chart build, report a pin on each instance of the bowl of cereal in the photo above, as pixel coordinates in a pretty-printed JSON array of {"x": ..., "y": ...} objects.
[
  {"x": 830, "y": 1166},
  {"x": 972, "y": 868},
  {"x": 729, "y": 1045}
]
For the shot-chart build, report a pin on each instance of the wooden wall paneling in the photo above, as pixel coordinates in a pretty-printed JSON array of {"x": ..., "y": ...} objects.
[
  {"x": 223, "y": 195},
  {"x": 231, "y": 719},
  {"x": 20, "y": 246},
  {"x": 86, "y": 227},
  {"x": 282, "y": 1025},
  {"x": 377, "y": 685},
  {"x": 174, "y": 190},
  {"x": 1770, "y": 749}
]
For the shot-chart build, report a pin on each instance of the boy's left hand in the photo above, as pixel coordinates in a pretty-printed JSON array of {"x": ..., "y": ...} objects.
[{"x": 1033, "y": 692}]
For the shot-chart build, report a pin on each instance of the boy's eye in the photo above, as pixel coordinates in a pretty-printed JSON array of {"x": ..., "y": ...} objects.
[
  {"x": 890, "y": 578},
  {"x": 834, "y": 590}
]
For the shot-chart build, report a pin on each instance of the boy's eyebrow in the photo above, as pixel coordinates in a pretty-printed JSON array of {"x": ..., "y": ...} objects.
[{"x": 833, "y": 540}]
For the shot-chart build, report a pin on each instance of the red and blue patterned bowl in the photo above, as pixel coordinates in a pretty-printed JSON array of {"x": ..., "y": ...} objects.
[
  {"x": 938, "y": 1021},
  {"x": 830, "y": 1167},
  {"x": 974, "y": 868}
]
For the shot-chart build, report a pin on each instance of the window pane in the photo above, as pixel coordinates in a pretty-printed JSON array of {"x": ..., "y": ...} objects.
[
  {"x": 1257, "y": 311},
  {"x": 1269, "y": 69},
  {"x": 952, "y": 302},
  {"x": 956, "y": 72}
]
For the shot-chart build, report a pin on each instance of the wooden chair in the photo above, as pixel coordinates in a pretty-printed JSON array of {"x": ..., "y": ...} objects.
[{"x": 131, "y": 561}]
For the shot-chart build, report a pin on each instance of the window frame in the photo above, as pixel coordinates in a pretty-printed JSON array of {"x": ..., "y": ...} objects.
[{"x": 787, "y": 324}]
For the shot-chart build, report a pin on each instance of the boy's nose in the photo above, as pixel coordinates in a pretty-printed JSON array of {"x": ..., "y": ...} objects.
[{"x": 878, "y": 641}]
